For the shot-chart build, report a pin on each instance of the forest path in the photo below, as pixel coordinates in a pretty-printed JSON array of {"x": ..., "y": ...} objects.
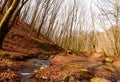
[{"x": 72, "y": 68}]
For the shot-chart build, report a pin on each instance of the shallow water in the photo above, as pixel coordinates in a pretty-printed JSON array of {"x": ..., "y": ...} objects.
[{"x": 33, "y": 64}]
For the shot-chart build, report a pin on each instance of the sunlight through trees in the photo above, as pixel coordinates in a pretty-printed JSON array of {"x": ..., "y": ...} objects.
[{"x": 77, "y": 26}]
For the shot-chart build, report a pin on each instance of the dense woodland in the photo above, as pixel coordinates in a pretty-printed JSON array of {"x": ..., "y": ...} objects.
[
  {"x": 59, "y": 40},
  {"x": 74, "y": 26}
]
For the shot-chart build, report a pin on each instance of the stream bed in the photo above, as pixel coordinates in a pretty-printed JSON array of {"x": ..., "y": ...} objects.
[{"x": 32, "y": 65}]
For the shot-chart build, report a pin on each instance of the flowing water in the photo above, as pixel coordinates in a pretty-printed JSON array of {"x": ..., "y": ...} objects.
[{"x": 32, "y": 65}]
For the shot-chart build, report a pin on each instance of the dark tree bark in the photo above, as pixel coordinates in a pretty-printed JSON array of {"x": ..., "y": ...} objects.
[
  {"x": 4, "y": 29},
  {"x": 3, "y": 6}
]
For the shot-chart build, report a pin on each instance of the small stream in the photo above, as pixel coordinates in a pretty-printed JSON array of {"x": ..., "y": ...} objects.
[{"x": 32, "y": 65}]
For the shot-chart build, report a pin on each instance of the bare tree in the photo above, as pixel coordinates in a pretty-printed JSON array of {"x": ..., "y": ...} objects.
[
  {"x": 4, "y": 29},
  {"x": 113, "y": 18},
  {"x": 43, "y": 17},
  {"x": 17, "y": 13},
  {"x": 3, "y": 6}
]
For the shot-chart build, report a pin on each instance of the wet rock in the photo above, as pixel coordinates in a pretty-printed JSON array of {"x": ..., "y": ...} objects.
[
  {"x": 84, "y": 70},
  {"x": 35, "y": 71},
  {"x": 42, "y": 68},
  {"x": 97, "y": 79},
  {"x": 108, "y": 60},
  {"x": 44, "y": 77}
]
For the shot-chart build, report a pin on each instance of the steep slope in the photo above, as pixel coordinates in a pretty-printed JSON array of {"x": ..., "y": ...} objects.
[{"x": 19, "y": 44}]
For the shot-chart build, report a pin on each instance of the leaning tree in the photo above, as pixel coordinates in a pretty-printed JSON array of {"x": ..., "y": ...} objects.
[{"x": 4, "y": 28}]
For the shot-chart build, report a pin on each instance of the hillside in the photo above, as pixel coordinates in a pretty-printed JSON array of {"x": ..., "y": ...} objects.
[
  {"x": 59, "y": 41},
  {"x": 25, "y": 58},
  {"x": 19, "y": 42},
  {"x": 19, "y": 46}
]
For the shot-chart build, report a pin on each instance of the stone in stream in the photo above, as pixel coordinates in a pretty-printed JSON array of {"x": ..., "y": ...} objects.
[
  {"x": 35, "y": 71},
  {"x": 98, "y": 79},
  {"x": 84, "y": 70},
  {"x": 108, "y": 60},
  {"x": 42, "y": 68}
]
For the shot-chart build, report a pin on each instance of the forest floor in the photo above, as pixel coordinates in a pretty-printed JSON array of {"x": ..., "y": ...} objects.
[
  {"x": 72, "y": 68},
  {"x": 19, "y": 46}
]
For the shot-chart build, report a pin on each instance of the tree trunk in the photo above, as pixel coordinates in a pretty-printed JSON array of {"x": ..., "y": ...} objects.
[
  {"x": 3, "y": 6},
  {"x": 43, "y": 18},
  {"x": 16, "y": 15},
  {"x": 4, "y": 29},
  {"x": 9, "y": 3}
]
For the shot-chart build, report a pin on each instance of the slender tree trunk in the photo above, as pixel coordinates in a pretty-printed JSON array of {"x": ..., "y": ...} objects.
[
  {"x": 45, "y": 13},
  {"x": 117, "y": 28},
  {"x": 26, "y": 11},
  {"x": 3, "y": 6},
  {"x": 4, "y": 29},
  {"x": 9, "y": 3},
  {"x": 34, "y": 16},
  {"x": 16, "y": 15}
]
